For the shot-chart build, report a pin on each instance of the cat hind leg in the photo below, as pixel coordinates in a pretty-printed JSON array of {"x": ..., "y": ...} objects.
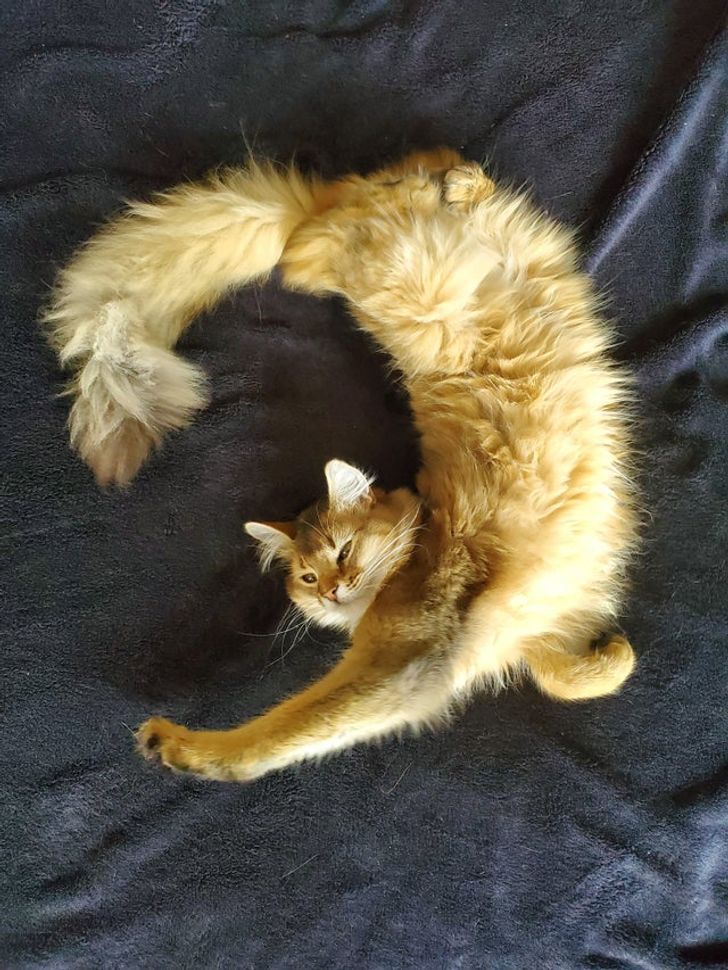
[{"x": 466, "y": 186}]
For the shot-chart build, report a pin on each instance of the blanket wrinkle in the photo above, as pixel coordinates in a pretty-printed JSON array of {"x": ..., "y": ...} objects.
[{"x": 699, "y": 103}]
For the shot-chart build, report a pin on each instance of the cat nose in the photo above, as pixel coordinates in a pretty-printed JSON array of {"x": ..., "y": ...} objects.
[{"x": 331, "y": 595}]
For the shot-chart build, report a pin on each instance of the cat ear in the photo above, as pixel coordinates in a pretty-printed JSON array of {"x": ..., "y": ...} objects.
[
  {"x": 275, "y": 540},
  {"x": 347, "y": 485}
]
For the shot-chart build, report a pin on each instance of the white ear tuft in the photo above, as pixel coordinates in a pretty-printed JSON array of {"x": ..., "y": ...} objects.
[
  {"x": 347, "y": 485},
  {"x": 273, "y": 543}
]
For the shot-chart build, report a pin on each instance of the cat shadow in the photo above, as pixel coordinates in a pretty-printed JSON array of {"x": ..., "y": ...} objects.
[{"x": 226, "y": 641}]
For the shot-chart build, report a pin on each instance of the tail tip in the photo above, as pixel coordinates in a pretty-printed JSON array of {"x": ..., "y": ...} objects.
[{"x": 620, "y": 654}]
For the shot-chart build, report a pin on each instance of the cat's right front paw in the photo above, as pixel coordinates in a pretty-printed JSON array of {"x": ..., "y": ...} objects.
[
  {"x": 161, "y": 740},
  {"x": 190, "y": 752},
  {"x": 466, "y": 186}
]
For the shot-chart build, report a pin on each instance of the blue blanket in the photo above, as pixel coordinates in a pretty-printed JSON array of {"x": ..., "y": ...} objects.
[{"x": 529, "y": 835}]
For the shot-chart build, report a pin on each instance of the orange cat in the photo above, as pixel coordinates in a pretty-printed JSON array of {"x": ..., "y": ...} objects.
[{"x": 511, "y": 557}]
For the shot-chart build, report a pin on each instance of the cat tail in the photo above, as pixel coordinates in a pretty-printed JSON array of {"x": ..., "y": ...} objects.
[
  {"x": 571, "y": 677},
  {"x": 119, "y": 307}
]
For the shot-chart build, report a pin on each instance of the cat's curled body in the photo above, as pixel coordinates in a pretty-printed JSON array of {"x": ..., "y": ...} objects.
[{"x": 512, "y": 555}]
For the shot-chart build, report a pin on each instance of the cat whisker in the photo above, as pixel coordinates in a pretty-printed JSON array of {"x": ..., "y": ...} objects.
[
  {"x": 293, "y": 629},
  {"x": 287, "y": 622},
  {"x": 299, "y": 631},
  {"x": 386, "y": 559},
  {"x": 389, "y": 554},
  {"x": 317, "y": 530},
  {"x": 398, "y": 535}
]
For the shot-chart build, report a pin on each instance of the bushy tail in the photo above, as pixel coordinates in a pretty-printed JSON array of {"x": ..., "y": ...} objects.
[
  {"x": 569, "y": 677},
  {"x": 121, "y": 304}
]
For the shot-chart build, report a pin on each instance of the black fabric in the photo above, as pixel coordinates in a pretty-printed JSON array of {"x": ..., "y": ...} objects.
[{"x": 529, "y": 835}]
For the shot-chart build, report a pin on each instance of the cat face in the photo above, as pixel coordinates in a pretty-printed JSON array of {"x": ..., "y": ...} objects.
[{"x": 340, "y": 551}]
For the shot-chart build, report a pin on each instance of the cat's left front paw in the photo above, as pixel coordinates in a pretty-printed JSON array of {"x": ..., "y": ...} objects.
[{"x": 160, "y": 739}]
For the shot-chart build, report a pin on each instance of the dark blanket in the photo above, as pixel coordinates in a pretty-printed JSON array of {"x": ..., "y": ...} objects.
[{"x": 529, "y": 835}]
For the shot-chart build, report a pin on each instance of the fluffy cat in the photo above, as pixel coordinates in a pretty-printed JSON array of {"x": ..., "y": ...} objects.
[{"x": 511, "y": 556}]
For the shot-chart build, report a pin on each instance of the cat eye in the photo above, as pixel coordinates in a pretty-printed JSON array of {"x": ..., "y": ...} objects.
[
  {"x": 308, "y": 578},
  {"x": 344, "y": 551}
]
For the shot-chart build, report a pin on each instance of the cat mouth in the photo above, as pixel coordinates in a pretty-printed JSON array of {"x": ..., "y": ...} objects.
[{"x": 343, "y": 598}]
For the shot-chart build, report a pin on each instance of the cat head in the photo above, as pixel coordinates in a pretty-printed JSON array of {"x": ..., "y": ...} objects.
[{"x": 339, "y": 552}]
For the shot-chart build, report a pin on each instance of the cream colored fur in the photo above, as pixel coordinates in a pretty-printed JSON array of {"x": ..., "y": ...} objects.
[
  {"x": 122, "y": 303},
  {"x": 515, "y": 558}
]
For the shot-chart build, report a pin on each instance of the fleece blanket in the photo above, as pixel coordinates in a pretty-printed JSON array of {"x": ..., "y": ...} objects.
[{"x": 528, "y": 835}]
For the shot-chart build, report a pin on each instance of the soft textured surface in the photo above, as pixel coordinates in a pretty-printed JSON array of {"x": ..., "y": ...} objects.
[{"x": 530, "y": 834}]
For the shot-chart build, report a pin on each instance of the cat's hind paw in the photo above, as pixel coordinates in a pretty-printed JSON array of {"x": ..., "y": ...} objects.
[{"x": 466, "y": 186}]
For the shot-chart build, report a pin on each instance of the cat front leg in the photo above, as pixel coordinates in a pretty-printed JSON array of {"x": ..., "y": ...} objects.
[{"x": 359, "y": 700}]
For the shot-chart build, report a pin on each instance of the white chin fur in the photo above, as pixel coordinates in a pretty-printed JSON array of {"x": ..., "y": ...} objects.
[{"x": 342, "y": 616}]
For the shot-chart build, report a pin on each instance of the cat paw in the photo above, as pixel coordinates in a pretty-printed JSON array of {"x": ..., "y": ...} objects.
[
  {"x": 466, "y": 186},
  {"x": 186, "y": 752},
  {"x": 161, "y": 740}
]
